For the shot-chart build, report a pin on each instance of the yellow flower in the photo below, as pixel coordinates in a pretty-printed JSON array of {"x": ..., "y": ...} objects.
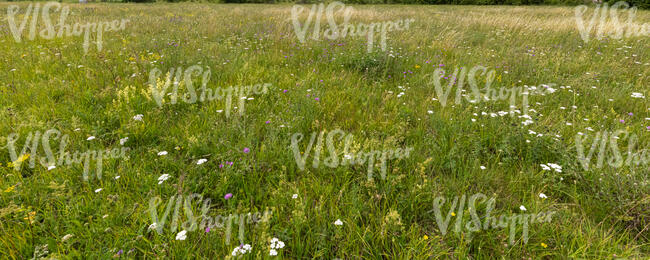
[
  {"x": 30, "y": 216},
  {"x": 425, "y": 237},
  {"x": 453, "y": 214},
  {"x": 23, "y": 158},
  {"x": 544, "y": 245},
  {"x": 10, "y": 189},
  {"x": 417, "y": 66}
]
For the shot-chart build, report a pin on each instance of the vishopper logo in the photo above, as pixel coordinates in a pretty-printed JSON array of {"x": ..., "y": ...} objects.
[
  {"x": 181, "y": 81},
  {"x": 349, "y": 158},
  {"x": 49, "y": 31},
  {"x": 345, "y": 29},
  {"x": 475, "y": 224},
  {"x": 612, "y": 155},
  {"x": 65, "y": 158},
  {"x": 207, "y": 223},
  {"x": 612, "y": 27},
  {"x": 476, "y": 95}
]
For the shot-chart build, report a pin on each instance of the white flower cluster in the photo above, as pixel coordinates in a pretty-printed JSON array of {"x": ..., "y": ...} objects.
[
  {"x": 275, "y": 244},
  {"x": 163, "y": 178},
  {"x": 549, "y": 166},
  {"x": 181, "y": 235},
  {"x": 241, "y": 250},
  {"x": 637, "y": 95}
]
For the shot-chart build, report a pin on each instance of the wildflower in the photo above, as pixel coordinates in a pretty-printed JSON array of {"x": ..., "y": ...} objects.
[
  {"x": 317, "y": 99},
  {"x": 90, "y": 138},
  {"x": 153, "y": 226},
  {"x": 241, "y": 249},
  {"x": 66, "y": 237},
  {"x": 482, "y": 167},
  {"x": 123, "y": 140},
  {"x": 417, "y": 66},
  {"x": 201, "y": 161},
  {"x": 522, "y": 208},
  {"x": 181, "y": 235},
  {"x": 272, "y": 252},
  {"x": 453, "y": 214},
  {"x": 137, "y": 117},
  {"x": 637, "y": 95},
  {"x": 163, "y": 178},
  {"x": 10, "y": 189},
  {"x": 295, "y": 196},
  {"x": 227, "y": 196},
  {"x": 30, "y": 217},
  {"x": 207, "y": 229},
  {"x": 51, "y": 167},
  {"x": 425, "y": 237},
  {"x": 338, "y": 222},
  {"x": 430, "y": 111},
  {"x": 622, "y": 121},
  {"x": 544, "y": 245},
  {"x": 630, "y": 114},
  {"x": 276, "y": 243},
  {"x": 246, "y": 150},
  {"x": 117, "y": 177},
  {"x": 98, "y": 190},
  {"x": 162, "y": 153},
  {"x": 268, "y": 122},
  {"x": 542, "y": 195}
]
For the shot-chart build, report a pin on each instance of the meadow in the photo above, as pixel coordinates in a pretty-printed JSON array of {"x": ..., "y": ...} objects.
[{"x": 234, "y": 153}]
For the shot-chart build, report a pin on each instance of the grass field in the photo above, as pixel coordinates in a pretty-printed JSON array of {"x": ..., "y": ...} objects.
[{"x": 243, "y": 159}]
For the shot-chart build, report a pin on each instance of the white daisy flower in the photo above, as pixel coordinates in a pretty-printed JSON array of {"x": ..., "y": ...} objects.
[
  {"x": 294, "y": 196},
  {"x": 522, "y": 208},
  {"x": 482, "y": 167},
  {"x": 201, "y": 161},
  {"x": 338, "y": 222},
  {"x": 272, "y": 252}
]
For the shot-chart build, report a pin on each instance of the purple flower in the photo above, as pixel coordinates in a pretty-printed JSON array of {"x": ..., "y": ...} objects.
[
  {"x": 284, "y": 91},
  {"x": 648, "y": 127},
  {"x": 120, "y": 252},
  {"x": 622, "y": 121},
  {"x": 207, "y": 229},
  {"x": 228, "y": 196},
  {"x": 630, "y": 114},
  {"x": 246, "y": 150},
  {"x": 268, "y": 121},
  {"x": 317, "y": 99},
  {"x": 221, "y": 165}
]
